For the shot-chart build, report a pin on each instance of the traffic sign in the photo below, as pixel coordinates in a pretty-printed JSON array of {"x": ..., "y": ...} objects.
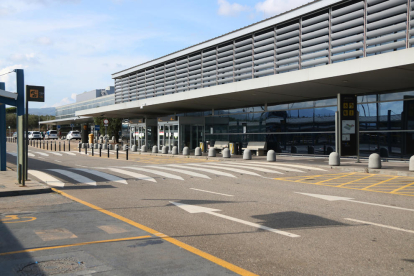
[
  {"x": 97, "y": 127},
  {"x": 106, "y": 122},
  {"x": 35, "y": 93},
  {"x": 72, "y": 125},
  {"x": 58, "y": 127}
]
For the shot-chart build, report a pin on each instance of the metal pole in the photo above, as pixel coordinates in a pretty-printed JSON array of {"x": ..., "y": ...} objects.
[
  {"x": 357, "y": 135},
  {"x": 69, "y": 145},
  {"x": 108, "y": 151},
  {"x": 100, "y": 151},
  {"x": 47, "y": 145},
  {"x": 117, "y": 152},
  {"x": 64, "y": 145},
  {"x": 55, "y": 145},
  {"x": 92, "y": 150},
  {"x": 86, "y": 150},
  {"x": 126, "y": 153}
]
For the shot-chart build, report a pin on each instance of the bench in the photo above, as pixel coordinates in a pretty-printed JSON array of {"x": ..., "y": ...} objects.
[
  {"x": 258, "y": 147},
  {"x": 220, "y": 145}
]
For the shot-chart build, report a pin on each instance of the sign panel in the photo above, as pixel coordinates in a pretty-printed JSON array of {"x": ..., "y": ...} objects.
[
  {"x": 167, "y": 119},
  {"x": 35, "y": 93},
  {"x": 106, "y": 122},
  {"x": 58, "y": 127},
  {"x": 349, "y": 128},
  {"x": 97, "y": 127},
  {"x": 72, "y": 125}
]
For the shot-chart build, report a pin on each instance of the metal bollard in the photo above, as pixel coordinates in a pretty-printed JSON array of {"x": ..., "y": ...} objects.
[
  {"x": 69, "y": 145},
  {"x": 59, "y": 145},
  {"x": 92, "y": 151},
  {"x": 100, "y": 151},
  {"x": 86, "y": 150},
  {"x": 126, "y": 151},
  {"x": 64, "y": 145},
  {"x": 79, "y": 147},
  {"x": 108, "y": 152},
  {"x": 55, "y": 145},
  {"x": 43, "y": 144},
  {"x": 47, "y": 145},
  {"x": 117, "y": 148}
]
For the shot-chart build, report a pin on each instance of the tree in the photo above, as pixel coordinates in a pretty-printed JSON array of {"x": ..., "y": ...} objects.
[{"x": 114, "y": 126}]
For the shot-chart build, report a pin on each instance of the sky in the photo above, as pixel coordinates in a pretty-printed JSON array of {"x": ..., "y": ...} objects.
[{"x": 73, "y": 46}]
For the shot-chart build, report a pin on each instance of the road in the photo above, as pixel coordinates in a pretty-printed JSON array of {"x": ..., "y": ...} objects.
[{"x": 263, "y": 218}]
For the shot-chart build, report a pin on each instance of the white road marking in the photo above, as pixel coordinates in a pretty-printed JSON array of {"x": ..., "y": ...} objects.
[
  {"x": 210, "y": 192},
  {"x": 336, "y": 198},
  {"x": 164, "y": 174},
  {"x": 193, "y": 209},
  {"x": 58, "y": 161},
  {"x": 56, "y": 153},
  {"x": 30, "y": 154},
  {"x": 291, "y": 165},
  {"x": 276, "y": 167},
  {"x": 134, "y": 175},
  {"x": 238, "y": 165},
  {"x": 106, "y": 176},
  {"x": 204, "y": 170},
  {"x": 77, "y": 177},
  {"x": 226, "y": 169},
  {"x": 69, "y": 153},
  {"x": 381, "y": 225},
  {"x": 181, "y": 171},
  {"x": 48, "y": 179},
  {"x": 41, "y": 153}
]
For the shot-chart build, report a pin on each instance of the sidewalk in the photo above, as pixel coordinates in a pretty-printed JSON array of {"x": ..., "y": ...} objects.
[{"x": 8, "y": 186}]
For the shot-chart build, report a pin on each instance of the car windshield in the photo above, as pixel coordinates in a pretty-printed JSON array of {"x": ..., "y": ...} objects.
[
  {"x": 53, "y": 132},
  {"x": 36, "y": 132},
  {"x": 75, "y": 132}
]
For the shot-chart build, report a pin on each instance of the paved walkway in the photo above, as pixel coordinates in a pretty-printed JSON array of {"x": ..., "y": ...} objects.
[{"x": 8, "y": 186}]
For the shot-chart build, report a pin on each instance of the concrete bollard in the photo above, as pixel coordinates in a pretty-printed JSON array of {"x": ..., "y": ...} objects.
[
  {"x": 91, "y": 145},
  {"x": 110, "y": 146},
  {"x": 134, "y": 148},
  {"x": 197, "y": 151},
  {"x": 174, "y": 150},
  {"x": 226, "y": 153},
  {"x": 374, "y": 161},
  {"x": 105, "y": 146},
  {"x": 247, "y": 154},
  {"x": 113, "y": 138},
  {"x": 96, "y": 145},
  {"x": 164, "y": 150},
  {"x": 334, "y": 159},
  {"x": 154, "y": 149},
  {"x": 116, "y": 147},
  {"x": 411, "y": 167},
  {"x": 271, "y": 156},
  {"x": 186, "y": 151},
  {"x": 211, "y": 152},
  {"x": 83, "y": 145},
  {"x": 124, "y": 147},
  {"x": 144, "y": 148}
]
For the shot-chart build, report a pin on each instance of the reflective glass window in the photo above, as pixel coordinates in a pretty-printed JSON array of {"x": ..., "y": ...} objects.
[{"x": 396, "y": 96}]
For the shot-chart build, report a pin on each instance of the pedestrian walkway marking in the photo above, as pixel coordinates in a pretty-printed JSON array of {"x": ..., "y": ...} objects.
[
  {"x": 203, "y": 170},
  {"x": 210, "y": 192},
  {"x": 133, "y": 174},
  {"x": 73, "y": 244},
  {"x": 226, "y": 169},
  {"x": 176, "y": 242},
  {"x": 30, "y": 154},
  {"x": 163, "y": 174},
  {"x": 292, "y": 165},
  {"x": 16, "y": 219},
  {"x": 41, "y": 153},
  {"x": 400, "y": 185},
  {"x": 238, "y": 165},
  {"x": 181, "y": 171},
  {"x": 77, "y": 177},
  {"x": 106, "y": 176},
  {"x": 381, "y": 225},
  {"x": 55, "y": 153},
  {"x": 68, "y": 153},
  {"x": 46, "y": 178}
]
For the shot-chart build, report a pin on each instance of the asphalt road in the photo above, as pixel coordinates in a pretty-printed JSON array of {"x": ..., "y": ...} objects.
[{"x": 258, "y": 223}]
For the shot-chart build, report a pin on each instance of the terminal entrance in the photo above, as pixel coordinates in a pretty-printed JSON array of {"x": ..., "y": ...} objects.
[{"x": 143, "y": 132}]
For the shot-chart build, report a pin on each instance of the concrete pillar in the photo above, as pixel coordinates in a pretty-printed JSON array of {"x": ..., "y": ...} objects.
[
  {"x": 174, "y": 150},
  {"x": 374, "y": 161},
  {"x": 197, "y": 151},
  {"x": 144, "y": 148},
  {"x": 154, "y": 149},
  {"x": 134, "y": 148},
  {"x": 411, "y": 167},
  {"x": 271, "y": 156},
  {"x": 186, "y": 151},
  {"x": 247, "y": 154},
  {"x": 226, "y": 153},
  {"x": 211, "y": 152},
  {"x": 334, "y": 159},
  {"x": 164, "y": 150},
  {"x": 124, "y": 147}
]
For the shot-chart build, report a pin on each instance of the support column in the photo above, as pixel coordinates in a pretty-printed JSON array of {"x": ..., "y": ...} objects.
[
  {"x": 3, "y": 133},
  {"x": 20, "y": 111}
]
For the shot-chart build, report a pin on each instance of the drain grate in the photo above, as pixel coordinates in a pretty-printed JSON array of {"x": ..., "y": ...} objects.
[{"x": 52, "y": 267}]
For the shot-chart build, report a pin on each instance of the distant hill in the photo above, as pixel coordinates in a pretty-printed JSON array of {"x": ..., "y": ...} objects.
[{"x": 43, "y": 111}]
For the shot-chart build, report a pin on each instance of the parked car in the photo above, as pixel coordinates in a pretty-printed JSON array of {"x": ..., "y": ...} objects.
[
  {"x": 73, "y": 135},
  {"x": 35, "y": 135},
  {"x": 51, "y": 134}
]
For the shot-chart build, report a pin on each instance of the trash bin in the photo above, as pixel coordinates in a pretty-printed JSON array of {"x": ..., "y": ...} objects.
[{"x": 90, "y": 138}]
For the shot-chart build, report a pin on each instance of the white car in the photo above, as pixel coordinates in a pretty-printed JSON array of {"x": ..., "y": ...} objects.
[
  {"x": 51, "y": 134},
  {"x": 73, "y": 135},
  {"x": 35, "y": 135}
]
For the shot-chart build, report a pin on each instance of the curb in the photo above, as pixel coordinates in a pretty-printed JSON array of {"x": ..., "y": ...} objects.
[{"x": 26, "y": 192}]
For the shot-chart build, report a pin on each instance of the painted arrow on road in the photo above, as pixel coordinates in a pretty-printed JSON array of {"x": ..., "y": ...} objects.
[
  {"x": 194, "y": 209},
  {"x": 338, "y": 198}
]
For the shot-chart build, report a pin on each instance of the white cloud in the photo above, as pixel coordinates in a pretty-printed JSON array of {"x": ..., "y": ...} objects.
[
  {"x": 24, "y": 58},
  {"x": 73, "y": 96},
  {"x": 10, "y": 79},
  {"x": 274, "y": 7},
  {"x": 43, "y": 40},
  {"x": 227, "y": 9},
  {"x": 63, "y": 102}
]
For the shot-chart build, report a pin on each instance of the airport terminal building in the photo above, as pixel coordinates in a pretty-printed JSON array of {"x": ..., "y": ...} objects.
[{"x": 283, "y": 81}]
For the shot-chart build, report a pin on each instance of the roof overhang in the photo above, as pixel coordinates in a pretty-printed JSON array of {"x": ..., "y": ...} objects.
[
  {"x": 283, "y": 17},
  {"x": 374, "y": 74},
  {"x": 9, "y": 95},
  {"x": 72, "y": 120}
]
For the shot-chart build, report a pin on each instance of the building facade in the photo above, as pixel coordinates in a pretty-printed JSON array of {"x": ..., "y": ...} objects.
[{"x": 278, "y": 81}]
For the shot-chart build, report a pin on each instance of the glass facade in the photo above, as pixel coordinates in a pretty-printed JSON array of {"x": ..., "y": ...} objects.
[
  {"x": 68, "y": 111},
  {"x": 386, "y": 122}
]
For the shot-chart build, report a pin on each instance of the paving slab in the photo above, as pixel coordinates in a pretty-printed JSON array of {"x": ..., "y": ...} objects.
[{"x": 10, "y": 187}]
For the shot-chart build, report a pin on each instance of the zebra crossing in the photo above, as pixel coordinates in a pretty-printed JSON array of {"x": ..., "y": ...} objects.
[{"x": 155, "y": 173}]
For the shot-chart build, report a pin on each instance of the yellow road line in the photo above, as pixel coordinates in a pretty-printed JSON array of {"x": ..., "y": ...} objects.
[
  {"x": 74, "y": 244},
  {"x": 401, "y": 188},
  {"x": 376, "y": 184},
  {"x": 355, "y": 180},
  {"x": 334, "y": 178},
  {"x": 187, "y": 247}
]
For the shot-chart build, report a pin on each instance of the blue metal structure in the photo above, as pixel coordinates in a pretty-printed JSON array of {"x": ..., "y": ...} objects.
[{"x": 19, "y": 104}]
